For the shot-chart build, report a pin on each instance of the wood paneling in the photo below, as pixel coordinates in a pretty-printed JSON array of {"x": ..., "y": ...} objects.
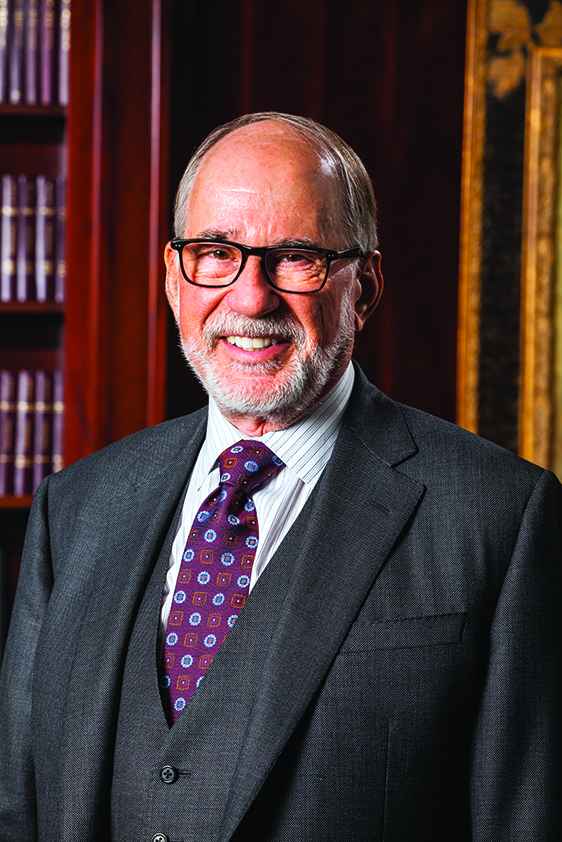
[{"x": 389, "y": 78}]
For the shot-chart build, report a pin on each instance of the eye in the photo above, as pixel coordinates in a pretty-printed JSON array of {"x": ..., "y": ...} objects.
[
  {"x": 295, "y": 258},
  {"x": 214, "y": 252}
]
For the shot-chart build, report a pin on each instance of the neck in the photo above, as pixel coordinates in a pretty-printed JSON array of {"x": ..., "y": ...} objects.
[{"x": 255, "y": 425}]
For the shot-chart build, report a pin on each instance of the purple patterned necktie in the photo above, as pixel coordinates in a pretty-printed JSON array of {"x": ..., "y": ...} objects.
[{"x": 214, "y": 577}]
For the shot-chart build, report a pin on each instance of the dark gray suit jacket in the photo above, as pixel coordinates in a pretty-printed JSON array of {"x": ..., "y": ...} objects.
[{"x": 398, "y": 660}]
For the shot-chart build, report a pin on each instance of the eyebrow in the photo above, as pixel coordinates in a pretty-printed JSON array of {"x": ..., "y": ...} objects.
[{"x": 231, "y": 234}]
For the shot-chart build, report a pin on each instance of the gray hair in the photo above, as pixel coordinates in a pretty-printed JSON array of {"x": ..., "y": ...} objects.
[{"x": 358, "y": 211}]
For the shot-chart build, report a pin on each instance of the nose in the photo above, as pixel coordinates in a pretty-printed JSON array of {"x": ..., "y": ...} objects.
[{"x": 251, "y": 295}]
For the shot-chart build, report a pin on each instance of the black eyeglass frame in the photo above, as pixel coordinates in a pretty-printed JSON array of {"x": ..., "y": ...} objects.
[{"x": 261, "y": 251}]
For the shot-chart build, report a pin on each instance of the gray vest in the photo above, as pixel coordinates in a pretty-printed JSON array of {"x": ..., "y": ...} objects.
[{"x": 175, "y": 782}]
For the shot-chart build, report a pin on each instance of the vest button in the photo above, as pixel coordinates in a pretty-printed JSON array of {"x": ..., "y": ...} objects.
[
  {"x": 168, "y": 774},
  {"x": 160, "y": 837}
]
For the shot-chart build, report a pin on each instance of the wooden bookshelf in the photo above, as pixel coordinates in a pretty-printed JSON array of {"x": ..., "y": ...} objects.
[
  {"x": 35, "y": 112},
  {"x": 111, "y": 144},
  {"x": 36, "y": 308},
  {"x": 13, "y": 502}
]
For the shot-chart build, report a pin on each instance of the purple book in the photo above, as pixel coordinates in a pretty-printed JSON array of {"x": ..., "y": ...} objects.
[
  {"x": 30, "y": 50},
  {"x": 7, "y": 430},
  {"x": 44, "y": 238},
  {"x": 42, "y": 427},
  {"x": 15, "y": 49},
  {"x": 25, "y": 261},
  {"x": 58, "y": 417},
  {"x": 64, "y": 50},
  {"x": 3, "y": 50},
  {"x": 8, "y": 219},
  {"x": 46, "y": 49},
  {"x": 23, "y": 461},
  {"x": 60, "y": 263}
]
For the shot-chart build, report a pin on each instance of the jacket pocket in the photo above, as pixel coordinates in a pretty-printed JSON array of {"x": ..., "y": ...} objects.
[{"x": 432, "y": 630}]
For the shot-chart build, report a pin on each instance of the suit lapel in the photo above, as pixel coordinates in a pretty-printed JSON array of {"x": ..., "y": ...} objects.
[
  {"x": 123, "y": 558},
  {"x": 334, "y": 552}
]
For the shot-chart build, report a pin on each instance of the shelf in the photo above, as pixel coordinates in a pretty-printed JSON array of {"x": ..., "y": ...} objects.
[
  {"x": 23, "y": 502},
  {"x": 39, "y": 308},
  {"x": 57, "y": 112}
]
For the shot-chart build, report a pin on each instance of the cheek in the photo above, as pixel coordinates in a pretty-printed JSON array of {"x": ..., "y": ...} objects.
[
  {"x": 324, "y": 319},
  {"x": 195, "y": 305}
]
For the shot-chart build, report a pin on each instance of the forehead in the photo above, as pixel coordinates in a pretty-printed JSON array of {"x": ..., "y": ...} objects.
[{"x": 264, "y": 172}]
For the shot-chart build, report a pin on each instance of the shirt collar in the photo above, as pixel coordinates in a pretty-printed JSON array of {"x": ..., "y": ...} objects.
[{"x": 293, "y": 445}]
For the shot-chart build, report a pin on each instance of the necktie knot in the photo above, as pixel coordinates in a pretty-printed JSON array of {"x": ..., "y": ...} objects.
[{"x": 248, "y": 465}]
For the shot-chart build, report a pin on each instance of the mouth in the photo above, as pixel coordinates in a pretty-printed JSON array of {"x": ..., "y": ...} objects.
[
  {"x": 254, "y": 349},
  {"x": 251, "y": 343}
]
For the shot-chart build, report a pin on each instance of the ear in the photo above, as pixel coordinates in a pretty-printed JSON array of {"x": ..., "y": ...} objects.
[
  {"x": 172, "y": 279},
  {"x": 372, "y": 284}
]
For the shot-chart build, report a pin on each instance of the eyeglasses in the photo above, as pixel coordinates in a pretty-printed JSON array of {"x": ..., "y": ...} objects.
[{"x": 219, "y": 263}]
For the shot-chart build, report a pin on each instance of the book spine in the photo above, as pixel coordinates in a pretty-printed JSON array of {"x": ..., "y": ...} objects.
[
  {"x": 8, "y": 220},
  {"x": 15, "y": 45},
  {"x": 31, "y": 24},
  {"x": 44, "y": 238},
  {"x": 3, "y": 49},
  {"x": 24, "y": 434},
  {"x": 42, "y": 427},
  {"x": 58, "y": 418},
  {"x": 25, "y": 238},
  {"x": 7, "y": 430},
  {"x": 64, "y": 50},
  {"x": 46, "y": 49},
  {"x": 60, "y": 264}
]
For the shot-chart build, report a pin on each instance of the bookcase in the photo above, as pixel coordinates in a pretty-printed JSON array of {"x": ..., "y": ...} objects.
[
  {"x": 34, "y": 54},
  {"x": 100, "y": 144}
]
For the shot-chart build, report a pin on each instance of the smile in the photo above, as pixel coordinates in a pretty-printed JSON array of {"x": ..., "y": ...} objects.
[{"x": 252, "y": 343}]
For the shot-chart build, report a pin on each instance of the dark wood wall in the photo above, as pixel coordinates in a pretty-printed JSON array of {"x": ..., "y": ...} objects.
[{"x": 389, "y": 78}]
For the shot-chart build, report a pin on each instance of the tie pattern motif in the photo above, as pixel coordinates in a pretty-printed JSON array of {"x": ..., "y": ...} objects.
[{"x": 214, "y": 577}]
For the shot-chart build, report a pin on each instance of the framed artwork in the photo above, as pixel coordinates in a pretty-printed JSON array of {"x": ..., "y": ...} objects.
[{"x": 510, "y": 302}]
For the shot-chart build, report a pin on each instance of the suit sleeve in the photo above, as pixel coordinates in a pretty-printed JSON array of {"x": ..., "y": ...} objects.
[
  {"x": 17, "y": 789},
  {"x": 516, "y": 761}
]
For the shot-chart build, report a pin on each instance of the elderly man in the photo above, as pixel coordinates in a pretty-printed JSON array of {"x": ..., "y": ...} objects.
[{"x": 306, "y": 613}]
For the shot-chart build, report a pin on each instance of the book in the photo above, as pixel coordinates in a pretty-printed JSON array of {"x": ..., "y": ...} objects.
[
  {"x": 46, "y": 49},
  {"x": 60, "y": 263},
  {"x": 58, "y": 416},
  {"x": 7, "y": 430},
  {"x": 15, "y": 47},
  {"x": 23, "y": 460},
  {"x": 42, "y": 427},
  {"x": 3, "y": 50},
  {"x": 25, "y": 249},
  {"x": 44, "y": 238},
  {"x": 30, "y": 50},
  {"x": 8, "y": 238},
  {"x": 64, "y": 50}
]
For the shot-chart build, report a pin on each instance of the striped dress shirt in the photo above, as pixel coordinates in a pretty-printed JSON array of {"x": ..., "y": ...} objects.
[{"x": 305, "y": 448}]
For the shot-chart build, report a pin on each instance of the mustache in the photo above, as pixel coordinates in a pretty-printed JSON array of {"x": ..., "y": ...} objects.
[{"x": 233, "y": 324}]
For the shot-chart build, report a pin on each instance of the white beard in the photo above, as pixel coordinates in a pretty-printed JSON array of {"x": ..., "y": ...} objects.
[{"x": 306, "y": 376}]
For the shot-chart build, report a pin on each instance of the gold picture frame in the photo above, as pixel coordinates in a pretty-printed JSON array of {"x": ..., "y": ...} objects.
[
  {"x": 513, "y": 97},
  {"x": 540, "y": 412}
]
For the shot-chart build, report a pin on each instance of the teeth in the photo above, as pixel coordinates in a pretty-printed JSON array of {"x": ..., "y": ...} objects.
[{"x": 252, "y": 344}]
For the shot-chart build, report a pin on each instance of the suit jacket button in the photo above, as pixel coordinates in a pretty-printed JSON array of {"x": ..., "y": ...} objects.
[
  {"x": 168, "y": 774},
  {"x": 160, "y": 837}
]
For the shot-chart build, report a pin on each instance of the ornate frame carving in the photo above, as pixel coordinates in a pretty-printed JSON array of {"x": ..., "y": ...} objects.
[
  {"x": 541, "y": 223},
  {"x": 514, "y": 58}
]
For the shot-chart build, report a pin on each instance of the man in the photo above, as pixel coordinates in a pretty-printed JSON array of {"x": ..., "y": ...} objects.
[{"x": 394, "y": 673}]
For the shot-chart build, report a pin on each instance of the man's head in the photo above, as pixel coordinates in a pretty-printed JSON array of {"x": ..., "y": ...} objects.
[{"x": 271, "y": 180}]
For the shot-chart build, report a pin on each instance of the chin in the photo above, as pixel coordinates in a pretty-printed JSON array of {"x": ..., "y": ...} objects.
[{"x": 288, "y": 393}]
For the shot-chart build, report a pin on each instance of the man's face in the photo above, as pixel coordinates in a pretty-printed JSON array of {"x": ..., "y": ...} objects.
[{"x": 260, "y": 352}]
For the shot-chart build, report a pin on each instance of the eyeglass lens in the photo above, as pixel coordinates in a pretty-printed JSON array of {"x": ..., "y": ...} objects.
[{"x": 217, "y": 264}]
